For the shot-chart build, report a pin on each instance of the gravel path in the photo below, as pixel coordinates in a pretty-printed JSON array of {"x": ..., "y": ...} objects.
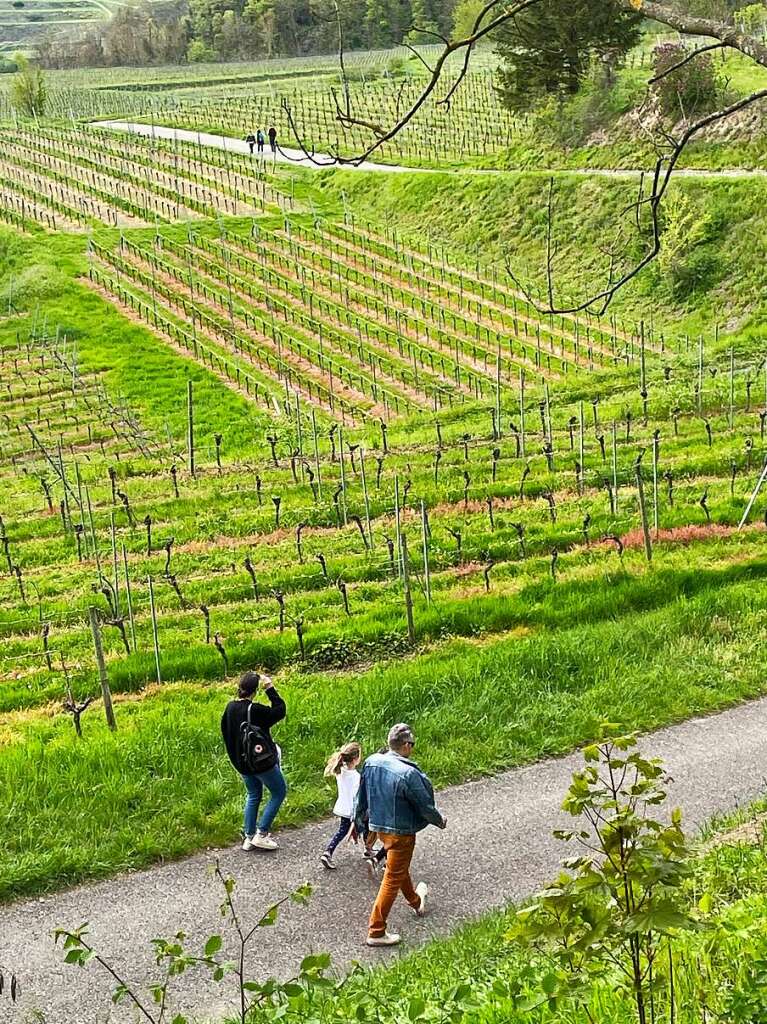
[
  {"x": 299, "y": 159},
  {"x": 498, "y": 848}
]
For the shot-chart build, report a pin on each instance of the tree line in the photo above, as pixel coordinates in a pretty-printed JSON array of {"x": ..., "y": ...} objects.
[{"x": 216, "y": 30}]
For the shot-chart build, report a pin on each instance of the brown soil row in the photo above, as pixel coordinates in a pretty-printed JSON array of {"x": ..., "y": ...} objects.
[
  {"x": 297, "y": 362},
  {"x": 478, "y": 366},
  {"x": 468, "y": 275}
]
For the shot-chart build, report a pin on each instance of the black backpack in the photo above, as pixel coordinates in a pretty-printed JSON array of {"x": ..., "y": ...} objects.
[{"x": 257, "y": 751}]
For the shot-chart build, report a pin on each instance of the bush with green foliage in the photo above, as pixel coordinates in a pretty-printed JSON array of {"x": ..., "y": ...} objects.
[
  {"x": 690, "y": 90},
  {"x": 29, "y": 92}
]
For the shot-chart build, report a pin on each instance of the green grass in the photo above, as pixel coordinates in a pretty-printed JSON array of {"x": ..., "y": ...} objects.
[
  {"x": 160, "y": 785},
  {"x": 719, "y": 980},
  {"x": 41, "y": 277},
  {"x": 717, "y": 276}
]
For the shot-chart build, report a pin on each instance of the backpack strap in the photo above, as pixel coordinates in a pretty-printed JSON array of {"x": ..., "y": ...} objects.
[{"x": 250, "y": 708}]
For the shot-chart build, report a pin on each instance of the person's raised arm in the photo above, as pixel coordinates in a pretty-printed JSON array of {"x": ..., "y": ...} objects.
[{"x": 277, "y": 710}]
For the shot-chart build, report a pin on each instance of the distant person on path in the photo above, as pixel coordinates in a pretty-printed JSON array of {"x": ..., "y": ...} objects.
[
  {"x": 260, "y": 140},
  {"x": 251, "y": 141},
  {"x": 397, "y": 800},
  {"x": 246, "y": 727},
  {"x": 273, "y": 139}
]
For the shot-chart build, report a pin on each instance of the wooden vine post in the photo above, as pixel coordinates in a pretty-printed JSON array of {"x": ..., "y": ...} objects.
[
  {"x": 343, "y": 473},
  {"x": 106, "y": 693},
  {"x": 408, "y": 594},
  {"x": 397, "y": 526},
  {"x": 655, "y": 510},
  {"x": 700, "y": 374},
  {"x": 643, "y": 512},
  {"x": 190, "y": 427},
  {"x": 425, "y": 543},
  {"x": 615, "y": 464},
  {"x": 581, "y": 449},
  {"x": 316, "y": 455},
  {"x": 522, "y": 412},
  {"x": 731, "y": 416},
  {"x": 366, "y": 498},
  {"x": 115, "y": 565},
  {"x": 155, "y": 636}
]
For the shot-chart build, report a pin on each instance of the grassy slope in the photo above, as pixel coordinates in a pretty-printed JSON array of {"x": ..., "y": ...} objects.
[
  {"x": 489, "y": 216},
  {"x": 710, "y": 978},
  {"x": 640, "y": 649},
  {"x": 41, "y": 276}
]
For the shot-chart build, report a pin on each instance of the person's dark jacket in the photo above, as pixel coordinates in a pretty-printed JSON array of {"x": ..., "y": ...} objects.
[{"x": 236, "y": 712}]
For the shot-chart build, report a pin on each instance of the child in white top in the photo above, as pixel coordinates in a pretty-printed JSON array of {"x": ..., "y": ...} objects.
[{"x": 343, "y": 766}]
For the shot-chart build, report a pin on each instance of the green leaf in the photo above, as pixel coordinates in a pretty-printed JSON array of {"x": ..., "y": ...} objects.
[
  {"x": 302, "y": 895},
  {"x": 416, "y": 1009},
  {"x": 550, "y": 984},
  {"x": 318, "y": 962},
  {"x": 213, "y": 945},
  {"x": 269, "y": 918}
]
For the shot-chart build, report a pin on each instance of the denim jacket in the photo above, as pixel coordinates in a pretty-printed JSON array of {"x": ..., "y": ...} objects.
[{"x": 395, "y": 797}]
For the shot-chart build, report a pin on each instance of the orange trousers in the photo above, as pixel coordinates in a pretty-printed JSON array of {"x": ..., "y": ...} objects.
[{"x": 396, "y": 879}]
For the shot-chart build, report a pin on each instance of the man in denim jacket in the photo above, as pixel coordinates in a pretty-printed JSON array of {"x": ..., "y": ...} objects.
[{"x": 396, "y": 800}]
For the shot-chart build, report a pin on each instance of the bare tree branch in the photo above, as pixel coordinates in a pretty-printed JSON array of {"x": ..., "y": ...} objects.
[
  {"x": 664, "y": 168},
  {"x": 497, "y": 13}
]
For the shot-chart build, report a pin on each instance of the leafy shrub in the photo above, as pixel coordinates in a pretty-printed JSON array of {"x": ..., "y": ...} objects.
[
  {"x": 752, "y": 18},
  {"x": 686, "y": 262},
  {"x": 691, "y": 89},
  {"x": 344, "y": 652},
  {"x": 570, "y": 123}
]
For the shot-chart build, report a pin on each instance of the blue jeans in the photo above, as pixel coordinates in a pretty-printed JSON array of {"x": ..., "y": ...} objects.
[
  {"x": 344, "y": 828},
  {"x": 274, "y": 781}
]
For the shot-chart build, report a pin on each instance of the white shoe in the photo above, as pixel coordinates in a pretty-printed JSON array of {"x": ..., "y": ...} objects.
[
  {"x": 387, "y": 939},
  {"x": 247, "y": 843},
  {"x": 422, "y": 890},
  {"x": 261, "y": 841}
]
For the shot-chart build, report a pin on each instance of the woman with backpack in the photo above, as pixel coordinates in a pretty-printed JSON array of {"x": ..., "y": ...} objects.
[{"x": 246, "y": 727}]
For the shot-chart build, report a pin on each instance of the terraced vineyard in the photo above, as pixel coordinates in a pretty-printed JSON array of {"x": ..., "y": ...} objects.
[
  {"x": 21, "y": 22},
  {"x": 241, "y": 426},
  {"x": 473, "y": 125},
  {"x": 71, "y": 179}
]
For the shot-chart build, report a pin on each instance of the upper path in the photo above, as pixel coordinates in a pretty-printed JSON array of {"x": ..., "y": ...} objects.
[
  {"x": 298, "y": 158},
  {"x": 497, "y": 848}
]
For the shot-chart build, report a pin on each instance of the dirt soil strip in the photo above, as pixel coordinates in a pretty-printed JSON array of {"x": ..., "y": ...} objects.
[{"x": 497, "y": 848}]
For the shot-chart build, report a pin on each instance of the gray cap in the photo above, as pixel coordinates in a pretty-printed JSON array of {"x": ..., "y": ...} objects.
[{"x": 400, "y": 734}]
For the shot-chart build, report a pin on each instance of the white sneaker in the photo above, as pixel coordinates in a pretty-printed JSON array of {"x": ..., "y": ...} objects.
[
  {"x": 261, "y": 841},
  {"x": 387, "y": 939},
  {"x": 422, "y": 890},
  {"x": 247, "y": 843}
]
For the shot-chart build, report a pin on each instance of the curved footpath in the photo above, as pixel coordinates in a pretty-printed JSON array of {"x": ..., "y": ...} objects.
[
  {"x": 298, "y": 158},
  {"x": 498, "y": 847}
]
